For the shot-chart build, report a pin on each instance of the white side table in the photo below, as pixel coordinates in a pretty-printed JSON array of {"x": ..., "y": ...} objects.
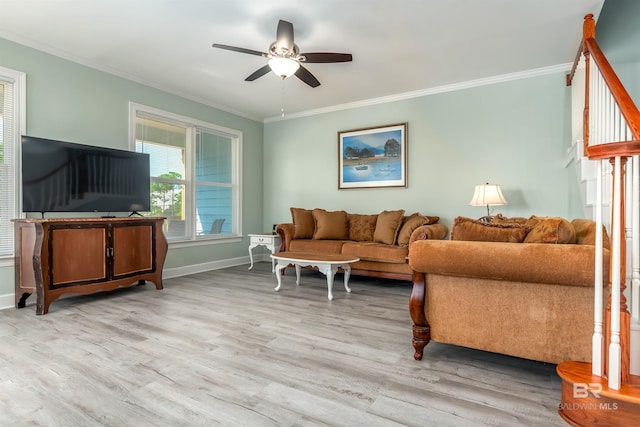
[{"x": 271, "y": 241}]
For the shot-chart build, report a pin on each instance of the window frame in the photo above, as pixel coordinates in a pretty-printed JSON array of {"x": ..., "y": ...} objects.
[
  {"x": 18, "y": 80},
  {"x": 192, "y": 238}
]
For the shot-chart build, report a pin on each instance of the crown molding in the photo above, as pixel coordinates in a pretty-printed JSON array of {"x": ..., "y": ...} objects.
[{"x": 427, "y": 92}]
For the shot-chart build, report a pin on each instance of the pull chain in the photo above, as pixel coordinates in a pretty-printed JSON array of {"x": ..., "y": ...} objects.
[{"x": 282, "y": 109}]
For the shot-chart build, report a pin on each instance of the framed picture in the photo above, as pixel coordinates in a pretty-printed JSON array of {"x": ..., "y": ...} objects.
[{"x": 373, "y": 157}]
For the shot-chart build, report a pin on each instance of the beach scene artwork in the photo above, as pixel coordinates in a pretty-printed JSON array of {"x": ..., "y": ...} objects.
[{"x": 373, "y": 157}]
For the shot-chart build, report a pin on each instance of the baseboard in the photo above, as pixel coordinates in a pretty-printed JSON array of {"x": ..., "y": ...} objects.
[
  {"x": 169, "y": 273},
  {"x": 8, "y": 300}
]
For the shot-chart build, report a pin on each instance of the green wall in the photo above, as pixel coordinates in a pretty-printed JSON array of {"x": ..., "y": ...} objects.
[
  {"x": 514, "y": 133},
  {"x": 618, "y": 35},
  {"x": 72, "y": 102}
]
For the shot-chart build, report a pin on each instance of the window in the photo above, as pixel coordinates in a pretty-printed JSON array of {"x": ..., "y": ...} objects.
[
  {"x": 194, "y": 173},
  {"x": 12, "y": 122}
]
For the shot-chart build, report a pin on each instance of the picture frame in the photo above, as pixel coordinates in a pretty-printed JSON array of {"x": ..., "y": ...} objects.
[{"x": 373, "y": 157}]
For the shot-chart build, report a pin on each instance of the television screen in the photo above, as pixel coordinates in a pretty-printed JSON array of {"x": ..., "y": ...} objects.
[{"x": 60, "y": 176}]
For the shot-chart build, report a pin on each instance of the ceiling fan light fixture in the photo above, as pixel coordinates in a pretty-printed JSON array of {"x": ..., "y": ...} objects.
[{"x": 283, "y": 67}]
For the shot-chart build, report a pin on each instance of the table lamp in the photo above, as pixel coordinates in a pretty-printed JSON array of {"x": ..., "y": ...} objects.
[{"x": 487, "y": 195}]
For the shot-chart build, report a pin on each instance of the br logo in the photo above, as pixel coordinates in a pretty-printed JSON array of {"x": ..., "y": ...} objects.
[{"x": 582, "y": 390}]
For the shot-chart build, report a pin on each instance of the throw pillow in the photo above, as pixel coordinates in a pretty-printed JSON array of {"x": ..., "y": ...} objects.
[
  {"x": 432, "y": 219},
  {"x": 500, "y": 219},
  {"x": 361, "y": 227},
  {"x": 409, "y": 224},
  {"x": 303, "y": 224},
  {"x": 586, "y": 232},
  {"x": 470, "y": 229},
  {"x": 551, "y": 230},
  {"x": 387, "y": 226},
  {"x": 330, "y": 225}
]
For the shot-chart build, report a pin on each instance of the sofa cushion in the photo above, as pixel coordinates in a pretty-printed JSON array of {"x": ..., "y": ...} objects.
[
  {"x": 551, "y": 230},
  {"x": 371, "y": 251},
  {"x": 387, "y": 226},
  {"x": 409, "y": 224},
  {"x": 330, "y": 225},
  {"x": 303, "y": 224},
  {"x": 500, "y": 219},
  {"x": 311, "y": 245},
  {"x": 586, "y": 232},
  {"x": 361, "y": 227},
  {"x": 474, "y": 230}
]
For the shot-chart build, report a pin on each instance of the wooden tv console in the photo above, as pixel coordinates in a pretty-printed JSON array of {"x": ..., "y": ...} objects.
[{"x": 83, "y": 256}]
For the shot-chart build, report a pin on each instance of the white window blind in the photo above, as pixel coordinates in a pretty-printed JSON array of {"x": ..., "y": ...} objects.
[{"x": 8, "y": 174}]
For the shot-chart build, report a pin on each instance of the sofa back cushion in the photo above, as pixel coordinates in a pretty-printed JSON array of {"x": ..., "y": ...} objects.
[
  {"x": 303, "y": 223},
  {"x": 361, "y": 227},
  {"x": 330, "y": 225},
  {"x": 387, "y": 226},
  {"x": 410, "y": 223},
  {"x": 470, "y": 229}
]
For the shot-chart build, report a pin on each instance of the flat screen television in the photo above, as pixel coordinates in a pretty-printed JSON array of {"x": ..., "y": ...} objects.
[{"x": 59, "y": 176}]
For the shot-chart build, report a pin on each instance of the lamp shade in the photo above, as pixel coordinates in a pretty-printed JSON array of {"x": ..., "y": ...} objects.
[
  {"x": 487, "y": 195},
  {"x": 283, "y": 67}
]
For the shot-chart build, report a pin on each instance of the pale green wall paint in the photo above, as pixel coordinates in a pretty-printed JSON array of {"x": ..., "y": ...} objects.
[
  {"x": 7, "y": 275},
  {"x": 72, "y": 102},
  {"x": 618, "y": 35},
  {"x": 514, "y": 134}
]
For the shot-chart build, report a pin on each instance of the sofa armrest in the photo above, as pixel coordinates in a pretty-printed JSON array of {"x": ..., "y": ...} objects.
[
  {"x": 429, "y": 232},
  {"x": 285, "y": 231},
  {"x": 561, "y": 264}
]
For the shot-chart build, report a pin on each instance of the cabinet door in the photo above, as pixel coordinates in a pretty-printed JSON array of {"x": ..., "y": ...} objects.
[
  {"x": 77, "y": 255},
  {"x": 133, "y": 249}
]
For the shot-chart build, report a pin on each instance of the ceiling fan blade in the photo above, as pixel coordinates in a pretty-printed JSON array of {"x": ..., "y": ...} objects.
[
  {"x": 284, "y": 36},
  {"x": 258, "y": 73},
  {"x": 306, "y": 76},
  {"x": 324, "y": 57},
  {"x": 239, "y": 49}
]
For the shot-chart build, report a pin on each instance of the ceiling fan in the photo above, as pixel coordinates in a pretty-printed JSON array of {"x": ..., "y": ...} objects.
[{"x": 285, "y": 58}]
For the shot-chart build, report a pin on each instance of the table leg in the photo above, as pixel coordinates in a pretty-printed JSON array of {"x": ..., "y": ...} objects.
[
  {"x": 330, "y": 272},
  {"x": 278, "y": 272},
  {"x": 273, "y": 261},
  {"x": 347, "y": 275},
  {"x": 298, "y": 270},
  {"x": 251, "y": 255}
]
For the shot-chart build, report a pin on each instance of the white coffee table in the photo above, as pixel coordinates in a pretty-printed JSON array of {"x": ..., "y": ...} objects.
[{"x": 327, "y": 264}]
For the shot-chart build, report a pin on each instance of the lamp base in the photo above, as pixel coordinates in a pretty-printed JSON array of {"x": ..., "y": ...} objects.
[{"x": 486, "y": 218}]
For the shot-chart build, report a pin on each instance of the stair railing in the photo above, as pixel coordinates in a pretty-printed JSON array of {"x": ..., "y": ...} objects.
[{"x": 611, "y": 133}]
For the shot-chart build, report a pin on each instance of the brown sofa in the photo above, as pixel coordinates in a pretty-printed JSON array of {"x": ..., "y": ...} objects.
[
  {"x": 381, "y": 241},
  {"x": 528, "y": 293}
]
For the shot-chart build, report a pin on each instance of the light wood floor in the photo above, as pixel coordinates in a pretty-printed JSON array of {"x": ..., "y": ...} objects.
[{"x": 222, "y": 348}]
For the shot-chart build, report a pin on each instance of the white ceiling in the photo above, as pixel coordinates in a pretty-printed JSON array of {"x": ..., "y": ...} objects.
[{"x": 399, "y": 47}]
